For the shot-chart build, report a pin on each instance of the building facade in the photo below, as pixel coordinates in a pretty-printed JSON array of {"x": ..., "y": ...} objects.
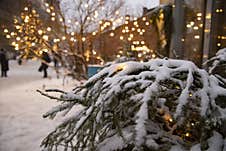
[
  {"x": 143, "y": 38},
  {"x": 199, "y": 29}
]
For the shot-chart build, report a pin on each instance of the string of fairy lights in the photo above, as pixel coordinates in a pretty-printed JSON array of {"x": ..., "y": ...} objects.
[{"x": 31, "y": 34}]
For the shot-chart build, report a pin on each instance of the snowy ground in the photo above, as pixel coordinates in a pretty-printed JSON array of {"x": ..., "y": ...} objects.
[{"x": 21, "y": 124}]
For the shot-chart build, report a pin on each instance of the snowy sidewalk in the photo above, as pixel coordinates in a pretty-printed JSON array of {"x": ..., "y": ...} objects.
[{"x": 21, "y": 108}]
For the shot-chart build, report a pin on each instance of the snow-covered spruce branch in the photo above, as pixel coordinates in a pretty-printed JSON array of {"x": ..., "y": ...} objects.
[
  {"x": 155, "y": 105},
  {"x": 217, "y": 64}
]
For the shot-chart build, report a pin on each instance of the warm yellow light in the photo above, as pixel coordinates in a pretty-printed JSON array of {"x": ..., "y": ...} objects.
[
  {"x": 206, "y": 30},
  {"x": 34, "y": 11},
  {"x": 26, "y": 8},
  {"x": 7, "y": 36},
  {"x": 33, "y": 44},
  {"x": 196, "y": 36},
  {"x": 47, "y": 5},
  {"x": 94, "y": 52},
  {"x": 63, "y": 38},
  {"x": 40, "y": 32},
  {"x": 142, "y": 42},
  {"x": 72, "y": 33},
  {"x": 18, "y": 38},
  {"x": 199, "y": 18},
  {"x": 45, "y": 37},
  {"x": 223, "y": 37},
  {"x": 126, "y": 22},
  {"x": 135, "y": 23},
  {"x": 121, "y": 38},
  {"x": 187, "y": 134},
  {"x": 13, "y": 43},
  {"x": 94, "y": 33},
  {"x": 72, "y": 38},
  {"x": 161, "y": 16},
  {"x": 144, "y": 18},
  {"x": 167, "y": 117},
  {"x": 17, "y": 27},
  {"x": 195, "y": 27},
  {"x": 188, "y": 26},
  {"x": 45, "y": 50},
  {"x": 26, "y": 19},
  {"x": 153, "y": 56},
  {"x": 53, "y": 18},
  {"x": 49, "y": 29},
  {"x": 208, "y": 16},
  {"x": 192, "y": 23},
  {"x": 127, "y": 17},
  {"x": 48, "y": 10},
  {"x": 199, "y": 14},
  {"x": 12, "y": 34},
  {"x": 6, "y": 31},
  {"x": 83, "y": 39},
  {"x": 218, "y": 44},
  {"x": 120, "y": 67},
  {"x": 112, "y": 34},
  {"x": 53, "y": 14},
  {"x": 147, "y": 23},
  {"x": 61, "y": 19}
]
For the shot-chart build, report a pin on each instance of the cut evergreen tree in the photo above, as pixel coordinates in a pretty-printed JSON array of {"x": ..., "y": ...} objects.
[{"x": 157, "y": 105}]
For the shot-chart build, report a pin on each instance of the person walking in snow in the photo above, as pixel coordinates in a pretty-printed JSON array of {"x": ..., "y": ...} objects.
[
  {"x": 4, "y": 63},
  {"x": 44, "y": 66}
]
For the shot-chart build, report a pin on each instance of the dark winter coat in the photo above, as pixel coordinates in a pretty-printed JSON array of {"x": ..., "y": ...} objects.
[
  {"x": 4, "y": 61},
  {"x": 45, "y": 57}
]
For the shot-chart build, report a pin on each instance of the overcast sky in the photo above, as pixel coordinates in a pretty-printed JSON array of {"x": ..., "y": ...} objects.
[
  {"x": 147, "y": 3},
  {"x": 138, "y": 4}
]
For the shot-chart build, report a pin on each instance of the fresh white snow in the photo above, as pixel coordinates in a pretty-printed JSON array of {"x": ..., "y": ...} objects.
[{"x": 22, "y": 127}]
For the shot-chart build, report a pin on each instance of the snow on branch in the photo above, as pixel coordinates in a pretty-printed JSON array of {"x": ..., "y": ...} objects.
[
  {"x": 217, "y": 64},
  {"x": 136, "y": 106}
]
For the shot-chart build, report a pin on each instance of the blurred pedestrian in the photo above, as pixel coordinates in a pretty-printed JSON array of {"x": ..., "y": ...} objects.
[
  {"x": 4, "y": 63},
  {"x": 44, "y": 66}
]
